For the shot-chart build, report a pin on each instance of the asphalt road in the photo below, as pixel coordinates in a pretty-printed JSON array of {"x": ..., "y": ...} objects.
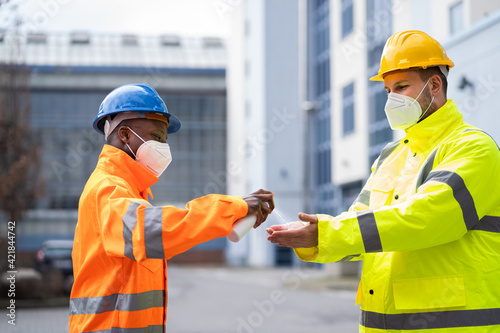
[{"x": 230, "y": 300}]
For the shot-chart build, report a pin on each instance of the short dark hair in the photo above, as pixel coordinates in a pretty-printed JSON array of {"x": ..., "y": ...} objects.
[{"x": 425, "y": 74}]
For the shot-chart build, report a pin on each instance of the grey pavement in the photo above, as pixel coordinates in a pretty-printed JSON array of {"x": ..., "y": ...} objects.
[{"x": 234, "y": 300}]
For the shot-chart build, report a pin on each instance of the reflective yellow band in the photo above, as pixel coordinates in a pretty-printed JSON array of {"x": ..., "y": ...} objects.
[
  {"x": 460, "y": 192},
  {"x": 369, "y": 231},
  {"x": 149, "y": 329},
  {"x": 488, "y": 223},
  {"x": 118, "y": 302},
  {"x": 430, "y": 320}
]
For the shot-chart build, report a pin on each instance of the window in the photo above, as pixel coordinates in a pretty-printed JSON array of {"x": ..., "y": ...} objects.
[
  {"x": 347, "y": 17},
  {"x": 379, "y": 18},
  {"x": 456, "y": 17},
  {"x": 348, "y": 109}
]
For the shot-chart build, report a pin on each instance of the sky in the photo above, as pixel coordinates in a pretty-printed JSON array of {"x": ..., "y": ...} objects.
[{"x": 183, "y": 17}]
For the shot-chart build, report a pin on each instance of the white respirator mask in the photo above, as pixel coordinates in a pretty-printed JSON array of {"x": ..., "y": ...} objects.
[
  {"x": 153, "y": 155},
  {"x": 404, "y": 111}
]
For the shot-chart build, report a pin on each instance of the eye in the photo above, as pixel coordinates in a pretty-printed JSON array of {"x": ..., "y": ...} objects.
[{"x": 402, "y": 87}]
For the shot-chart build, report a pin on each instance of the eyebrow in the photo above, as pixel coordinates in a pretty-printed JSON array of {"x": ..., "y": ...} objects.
[{"x": 397, "y": 83}]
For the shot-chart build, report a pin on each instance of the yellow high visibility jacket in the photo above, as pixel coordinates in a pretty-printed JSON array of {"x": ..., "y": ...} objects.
[
  {"x": 122, "y": 243},
  {"x": 427, "y": 227}
]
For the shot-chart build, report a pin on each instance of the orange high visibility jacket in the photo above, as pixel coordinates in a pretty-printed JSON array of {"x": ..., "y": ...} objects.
[{"x": 122, "y": 243}]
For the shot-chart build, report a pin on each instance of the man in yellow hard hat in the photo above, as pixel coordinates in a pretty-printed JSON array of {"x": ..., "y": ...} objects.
[{"x": 427, "y": 222}]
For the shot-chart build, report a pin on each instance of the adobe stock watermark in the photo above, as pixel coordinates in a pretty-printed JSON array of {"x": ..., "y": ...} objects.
[
  {"x": 222, "y": 7},
  {"x": 448, "y": 297},
  {"x": 76, "y": 155},
  {"x": 12, "y": 272},
  {"x": 276, "y": 125},
  {"x": 48, "y": 9},
  {"x": 484, "y": 88},
  {"x": 266, "y": 308}
]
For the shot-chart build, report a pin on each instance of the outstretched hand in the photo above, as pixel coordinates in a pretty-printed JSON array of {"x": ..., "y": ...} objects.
[
  {"x": 296, "y": 234},
  {"x": 260, "y": 203}
]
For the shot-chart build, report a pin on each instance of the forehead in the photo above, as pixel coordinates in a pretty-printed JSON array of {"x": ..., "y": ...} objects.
[
  {"x": 150, "y": 124},
  {"x": 405, "y": 75}
]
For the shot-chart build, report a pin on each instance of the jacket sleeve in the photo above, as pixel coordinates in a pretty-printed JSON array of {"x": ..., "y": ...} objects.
[
  {"x": 135, "y": 229},
  {"x": 451, "y": 200},
  {"x": 361, "y": 203}
]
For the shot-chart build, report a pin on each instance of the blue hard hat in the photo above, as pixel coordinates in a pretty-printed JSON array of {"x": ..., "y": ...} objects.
[{"x": 137, "y": 98}]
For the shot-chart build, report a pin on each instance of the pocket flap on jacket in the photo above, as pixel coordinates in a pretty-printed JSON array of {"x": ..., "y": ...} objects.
[
  {"x": 152, "y": 264},
  {"x": 383, "y": 181},
  {"x": 429, "y": 293}
]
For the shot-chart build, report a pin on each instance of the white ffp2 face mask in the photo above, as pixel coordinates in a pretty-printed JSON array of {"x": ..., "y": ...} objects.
[
  {"x": 404, "y": 111},
  {"x": 153, "y": 155}
]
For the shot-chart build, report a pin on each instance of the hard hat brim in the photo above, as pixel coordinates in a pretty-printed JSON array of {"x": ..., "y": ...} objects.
[{"x": 174, "y": 124}]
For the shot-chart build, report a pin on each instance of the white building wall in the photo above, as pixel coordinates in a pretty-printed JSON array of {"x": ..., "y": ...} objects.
[
  {"x": 348, "y": 64},
  {"x": 236, "y": 253},
  {"x": 475, "y": 53},
  {"x": 267, "y": 92}
]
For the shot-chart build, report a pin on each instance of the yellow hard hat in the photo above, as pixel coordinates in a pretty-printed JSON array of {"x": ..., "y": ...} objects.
[{"x": 411, "y": 49}]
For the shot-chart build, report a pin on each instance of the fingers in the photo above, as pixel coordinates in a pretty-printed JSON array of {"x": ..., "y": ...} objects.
[
  {"x": 260, "y": 203},
  {"x": 274, "y": 228},
  {"x": 285, "y": 237},
  {"x": 308, "y": 217}
]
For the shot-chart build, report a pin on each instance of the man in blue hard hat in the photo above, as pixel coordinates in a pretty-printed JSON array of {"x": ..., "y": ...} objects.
[{"x": 121, "y": 240}]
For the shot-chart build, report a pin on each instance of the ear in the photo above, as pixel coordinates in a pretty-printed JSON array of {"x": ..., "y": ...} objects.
[
  {"x": 436, "y": 84},
  {"x": 124, "y": 134}
]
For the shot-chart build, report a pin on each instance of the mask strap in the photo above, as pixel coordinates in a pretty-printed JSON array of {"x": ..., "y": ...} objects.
[
  {"x": 131, "y": 150},
  {"x": 421, "y": 91},
  {"x": 423, "y": 113},
  {"x": 136, "y": 134}
]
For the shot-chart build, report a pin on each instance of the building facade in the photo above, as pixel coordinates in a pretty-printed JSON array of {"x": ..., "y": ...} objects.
[
  {"x": 343, "y": 123},
  {"x": 70, "y": 76},
  {"x": 265, "y": 121}
]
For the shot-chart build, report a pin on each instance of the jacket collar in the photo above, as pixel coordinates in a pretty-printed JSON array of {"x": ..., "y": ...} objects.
[
  {"x": 118, "y": 163},
  {"x": 426, "y": 133}
]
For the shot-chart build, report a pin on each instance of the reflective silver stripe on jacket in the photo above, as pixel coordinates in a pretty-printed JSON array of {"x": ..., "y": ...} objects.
[
  {"x": 388, "y": 149},
  {"x": 119, "y": 302},
  {"x": 430, "y": 320},
  {"x": 369, "y": 231},
  {"x": 153, "y": 232},
  {"x": 426, "y": 168},
  {"x": 364, "y": 197},
  {"x": 460, "y": 192},
  {"x": 129, "y": 222},
  {"x": 488, "y": 223},
  {"x": 149, "y": 329}
]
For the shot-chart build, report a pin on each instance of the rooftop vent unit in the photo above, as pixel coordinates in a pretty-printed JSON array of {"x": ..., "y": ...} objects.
[
  {"x": 212, "y": 42},
  {"x": 129, "y": 40},
  {"x": 170, "y": 40},
  {"x": 36, "y": 38},
  {"x": 80, "y": 38}
]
